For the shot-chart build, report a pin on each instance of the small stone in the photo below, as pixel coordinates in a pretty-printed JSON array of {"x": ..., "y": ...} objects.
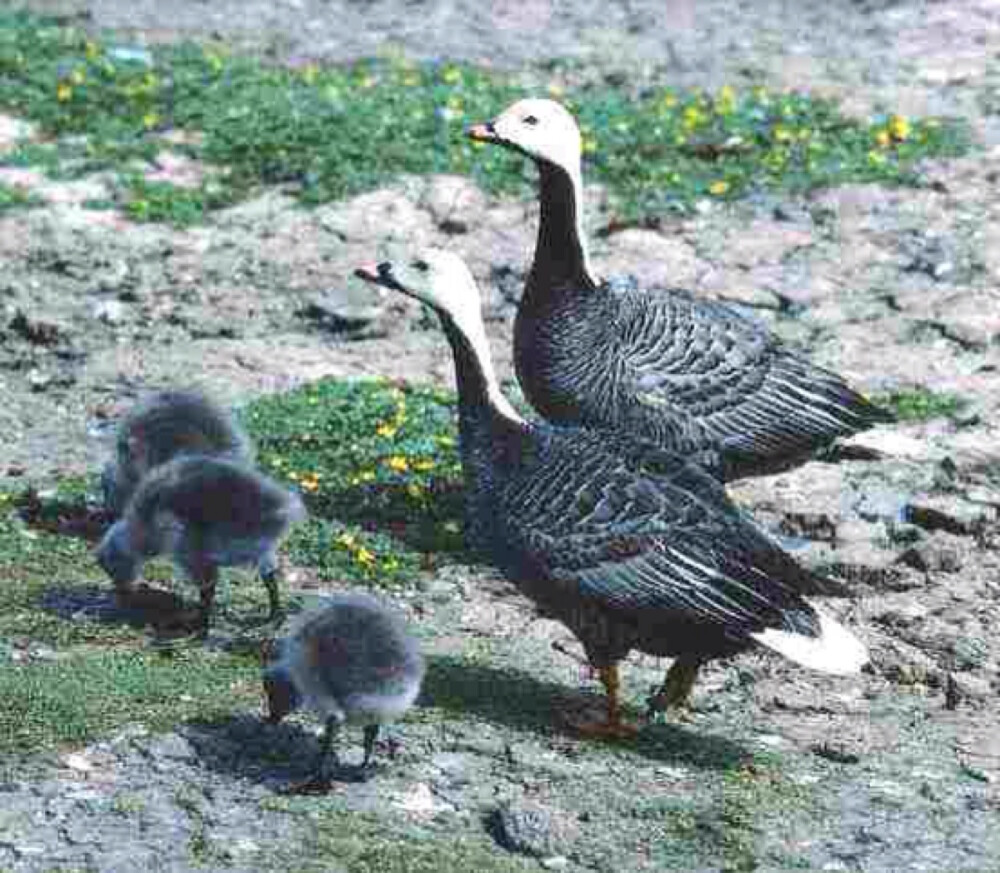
[
  {"x": 78, "y": 762},
  {"x": 948, "y": 513},
  {"x": 963, "y": 686},
  {"x": 109, "y": 311},
  {"x": 556, "y": 862},
  {"x": 529, "y": 829},
  {"x": 837, "y": 751},
  {"x": 171, "y": 747},
  {"x": 347, "y": 311}
]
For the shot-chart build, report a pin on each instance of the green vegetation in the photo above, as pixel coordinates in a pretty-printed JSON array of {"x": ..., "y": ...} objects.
[
  {"x": 379, "y": 469},
  {"x": 921, "y": 404},
  {"x": 12, "y": 197},
  {"x": 326, "y": 133},
  {"x": 367, "y": 843},
  {"x": 77, "y": 697}
]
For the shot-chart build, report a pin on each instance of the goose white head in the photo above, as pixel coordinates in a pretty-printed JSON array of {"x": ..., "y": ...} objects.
[
  {"x": 541, "y": 129},
  {"x": 442, "y": 280}
]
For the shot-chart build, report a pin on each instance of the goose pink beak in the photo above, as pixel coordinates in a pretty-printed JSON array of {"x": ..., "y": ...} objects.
[{"x": 482, "y": 132}]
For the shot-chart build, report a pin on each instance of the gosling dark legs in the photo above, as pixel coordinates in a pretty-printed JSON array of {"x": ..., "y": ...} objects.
[{"x": 267, "y": 569}]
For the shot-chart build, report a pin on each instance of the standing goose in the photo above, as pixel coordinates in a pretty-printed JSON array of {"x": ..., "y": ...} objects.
[
  {"x": 690, "y": 375},
  {"x": 630, "y": 547}
]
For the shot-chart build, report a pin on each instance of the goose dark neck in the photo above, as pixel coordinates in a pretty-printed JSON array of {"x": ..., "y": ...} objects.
[{"x": 561, "y": 251}]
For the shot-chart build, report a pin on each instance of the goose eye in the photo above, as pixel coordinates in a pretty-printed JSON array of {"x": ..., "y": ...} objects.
[
  {"x": 530, "y": 120},
  {"x": 421, "y": 266}
]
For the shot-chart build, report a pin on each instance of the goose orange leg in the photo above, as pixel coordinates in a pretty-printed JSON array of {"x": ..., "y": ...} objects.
[{"x": 613, "y": 727}]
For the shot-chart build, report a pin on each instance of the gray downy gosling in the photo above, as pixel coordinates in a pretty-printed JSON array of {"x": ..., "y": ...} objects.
[
  {"x": 352, "y": 661},
  {"x": 207, "y": 512},
  {"x": 164, "y": 425}
]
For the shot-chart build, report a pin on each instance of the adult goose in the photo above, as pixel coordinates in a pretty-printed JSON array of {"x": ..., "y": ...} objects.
[
  {"x": 690, "y": 375},
  {"x": 629, "y": 545}
]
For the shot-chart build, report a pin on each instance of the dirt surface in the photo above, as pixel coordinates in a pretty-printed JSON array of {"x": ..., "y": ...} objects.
[{"x": 896, "y": 771}]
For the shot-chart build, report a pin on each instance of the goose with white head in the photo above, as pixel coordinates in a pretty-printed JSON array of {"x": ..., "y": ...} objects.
[
  {"x": 689, "y": 375},
  {"x": 630, "y": 546}
]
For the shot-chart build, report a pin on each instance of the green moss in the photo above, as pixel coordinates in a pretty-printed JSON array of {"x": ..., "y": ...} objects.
[
  {"x": 921, "y": 404},
  {"x": 15, "y": 198},
  {"x": 329, "y": 132},
  {"x": 366, "y": 843},
  {"x": 79, "y": 696}
]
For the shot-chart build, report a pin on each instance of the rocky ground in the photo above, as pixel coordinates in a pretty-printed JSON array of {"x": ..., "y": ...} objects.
[{"x": 776, "y": 769}]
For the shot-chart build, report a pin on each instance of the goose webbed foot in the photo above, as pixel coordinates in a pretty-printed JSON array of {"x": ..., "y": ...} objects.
[{"x": 613, "y": 727}]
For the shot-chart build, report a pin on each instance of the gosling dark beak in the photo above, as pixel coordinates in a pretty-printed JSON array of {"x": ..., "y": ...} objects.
[{"x": 482, "y": 132}]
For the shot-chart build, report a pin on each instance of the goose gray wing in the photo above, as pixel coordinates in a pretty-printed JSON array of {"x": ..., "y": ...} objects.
[
  {"x": 648, "y": 531},
  {"x": 738, "y": 386}
]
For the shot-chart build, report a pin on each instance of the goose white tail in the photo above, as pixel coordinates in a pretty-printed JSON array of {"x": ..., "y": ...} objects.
[{"x": 836, "y": 650}]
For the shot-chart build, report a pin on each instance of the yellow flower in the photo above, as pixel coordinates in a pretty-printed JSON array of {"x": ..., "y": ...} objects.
[
  {"x": 311, "y": 484},
  {"x": 397, "y": 463},
  {"x": 726, "y": 101},
  {"x": 414, "y": 490},
  {"x": 669, "y": 101},
  {"x": 150, "y": 120},
  {"x": 719, "y": 187},
  {"x": 367, "y": 475},
  {"x": 782, "y": 133},
  {"x": 423, "y": 465},
  {"x": 692, "y": 117},
  {"x": 346, "y": 539},
  {"x": 77, "y": 77},
  {"x": 883, "y": 138},
  {"x": 364, "y": 557},
  {"x": 452, "y": 75},
  {"x": 899, "y": 127},
  {"x": 589, "y": 146},
  {"x": 64, "y": 92}
]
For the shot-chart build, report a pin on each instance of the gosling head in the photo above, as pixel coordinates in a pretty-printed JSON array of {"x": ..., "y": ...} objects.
[
  {"x": 541, "y": 129},
  {"x": 436, "y": 277}
]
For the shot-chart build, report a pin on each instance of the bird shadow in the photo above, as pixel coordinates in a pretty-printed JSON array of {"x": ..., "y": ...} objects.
[
  {"x": 166, "y": 613},
  {"x": 248, "y": 746},
  {"x": 168, "y": 616},
  {"x": 520, "y": 700}
]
